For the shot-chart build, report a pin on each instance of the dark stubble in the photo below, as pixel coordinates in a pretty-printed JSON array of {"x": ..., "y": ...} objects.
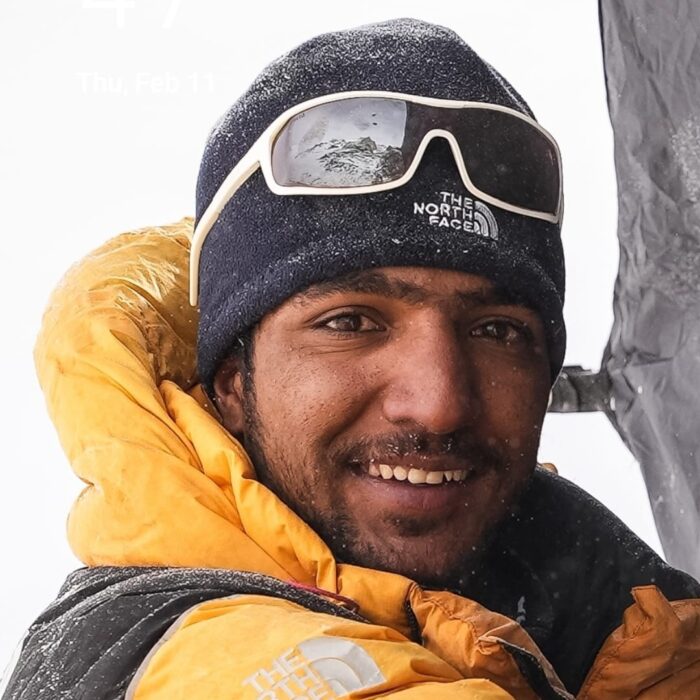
[{"x": 339, "y": 531}]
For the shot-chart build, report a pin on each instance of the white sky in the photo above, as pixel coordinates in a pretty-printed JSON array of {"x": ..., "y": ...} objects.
[{"x": 106, "y": 107}]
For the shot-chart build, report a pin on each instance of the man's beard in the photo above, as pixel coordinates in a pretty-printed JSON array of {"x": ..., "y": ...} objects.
[{"x": 339, "y": 531}]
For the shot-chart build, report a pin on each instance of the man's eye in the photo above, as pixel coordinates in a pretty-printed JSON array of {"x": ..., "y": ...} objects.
[
  {"x": 503, "y": 331},
  {"x": 350, "y": 323}
]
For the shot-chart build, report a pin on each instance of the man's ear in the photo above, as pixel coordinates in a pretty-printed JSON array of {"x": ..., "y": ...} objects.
[{"x": 228, "y": 388}]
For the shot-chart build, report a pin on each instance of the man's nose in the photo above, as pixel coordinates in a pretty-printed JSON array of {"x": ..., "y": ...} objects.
[{"x": 432, "y": 383}]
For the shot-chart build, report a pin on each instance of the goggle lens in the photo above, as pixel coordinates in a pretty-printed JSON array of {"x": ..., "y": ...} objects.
[{"x": 354, "y": 142}]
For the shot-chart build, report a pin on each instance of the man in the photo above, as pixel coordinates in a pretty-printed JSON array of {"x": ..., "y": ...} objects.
[{"x": 380, "y": 281}]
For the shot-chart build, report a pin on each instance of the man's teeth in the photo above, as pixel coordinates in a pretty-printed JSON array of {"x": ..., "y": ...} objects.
[{"x": 416, "y": 476}]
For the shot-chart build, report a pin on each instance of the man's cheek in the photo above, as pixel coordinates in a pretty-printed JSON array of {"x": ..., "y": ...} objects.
[{"x": 318, "y": 393}]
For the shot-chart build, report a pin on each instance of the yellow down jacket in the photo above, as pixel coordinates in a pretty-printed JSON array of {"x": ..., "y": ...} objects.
[{"x": 166, "y": 485}]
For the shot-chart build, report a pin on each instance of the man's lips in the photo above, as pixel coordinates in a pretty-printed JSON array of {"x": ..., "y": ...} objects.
[
  {"x": 403, "y": 497},
  {"x": 415, "y": 474},
  {"x": 418, "y": 469},
  {"x": 416, "y": 485}
]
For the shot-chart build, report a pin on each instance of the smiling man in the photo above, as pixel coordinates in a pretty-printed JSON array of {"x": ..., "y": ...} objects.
[{"x": 338, "y": 495}]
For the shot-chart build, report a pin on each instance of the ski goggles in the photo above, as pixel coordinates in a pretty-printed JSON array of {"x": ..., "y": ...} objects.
[{"x": 370, "y": 141}]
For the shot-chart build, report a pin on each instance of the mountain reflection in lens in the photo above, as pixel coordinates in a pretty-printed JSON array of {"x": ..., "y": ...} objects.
[{"x": 349, "y": 143}]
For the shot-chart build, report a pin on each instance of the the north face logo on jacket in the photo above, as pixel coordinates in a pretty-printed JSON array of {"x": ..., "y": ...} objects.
[{"x": 321, "y": 667}]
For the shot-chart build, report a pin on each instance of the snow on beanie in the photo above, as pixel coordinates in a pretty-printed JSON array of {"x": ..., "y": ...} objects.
[{"x": 265, "y": 247}]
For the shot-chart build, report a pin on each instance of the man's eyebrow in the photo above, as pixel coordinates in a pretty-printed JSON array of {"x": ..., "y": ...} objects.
[{"x": 375, "y": 282}]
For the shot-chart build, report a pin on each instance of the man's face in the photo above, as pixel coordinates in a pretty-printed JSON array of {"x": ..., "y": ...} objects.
[{"x": 397, "y": 411}]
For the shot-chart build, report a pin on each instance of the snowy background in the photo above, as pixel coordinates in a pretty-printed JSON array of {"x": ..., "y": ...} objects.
[{"x": 107, "y": 104}]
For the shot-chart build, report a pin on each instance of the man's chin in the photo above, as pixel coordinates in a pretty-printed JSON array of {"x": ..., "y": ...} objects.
[{"x": 414, "y": 557}]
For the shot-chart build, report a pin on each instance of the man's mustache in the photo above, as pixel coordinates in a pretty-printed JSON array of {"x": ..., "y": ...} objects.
[{"x": 462, "y": 447}]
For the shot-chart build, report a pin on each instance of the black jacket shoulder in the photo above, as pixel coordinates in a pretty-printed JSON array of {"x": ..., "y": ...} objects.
[{"x": 89, "y": 643}]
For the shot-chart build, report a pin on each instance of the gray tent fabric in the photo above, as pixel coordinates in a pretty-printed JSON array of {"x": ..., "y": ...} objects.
[{"x": 652, "y": 64}]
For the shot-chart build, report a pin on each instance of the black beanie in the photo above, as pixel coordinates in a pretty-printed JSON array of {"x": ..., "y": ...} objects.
[{"x": 266, "y": 247}]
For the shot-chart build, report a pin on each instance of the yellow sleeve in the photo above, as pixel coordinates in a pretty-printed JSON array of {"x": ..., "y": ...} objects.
[{"x": 262, "y": 648}]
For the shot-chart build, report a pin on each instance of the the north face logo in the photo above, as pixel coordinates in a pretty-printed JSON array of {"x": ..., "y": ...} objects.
[
  {"x": 460, "y": 213},
  {"x": 316, "y": 669}
]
